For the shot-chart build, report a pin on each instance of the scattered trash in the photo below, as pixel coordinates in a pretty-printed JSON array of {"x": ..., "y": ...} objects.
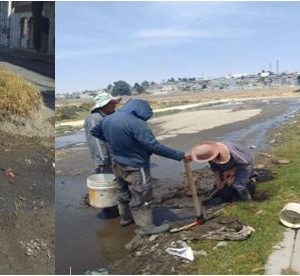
[
  {"x": 252, "y": 147},
  {"x": 255, "y": 270},
  {"x": 10, "y": 174},
  {"x": 185, "y": 252},
  {"x": 221, "y": 244},
  {"x": 53, "y": 165},
  {"x": 153, "y": 238},
  {"x": 265, "y": 154},
  {"x": 259, "y": 212},
  {"x": 138, "y": 253},
  {"x": 273, "y": 141},
  {"x": 35, "y": 247},
  {"x": 28, "y": 162},
  {"x": 230, "y": 228}
]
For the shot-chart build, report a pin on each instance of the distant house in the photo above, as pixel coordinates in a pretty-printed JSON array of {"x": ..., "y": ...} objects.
[
  {"x": 26, "y": 24},
  {"x": 265, "y": 74}
]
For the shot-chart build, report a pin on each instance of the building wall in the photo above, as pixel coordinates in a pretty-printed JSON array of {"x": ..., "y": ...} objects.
[
  {"x": 5, "y": 9},
  {"x": 49, "y": 13},
  {"x": 16, "y": 25}
]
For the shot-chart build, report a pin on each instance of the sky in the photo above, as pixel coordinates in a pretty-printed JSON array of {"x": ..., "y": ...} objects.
[{"x": 98, "y": 43}]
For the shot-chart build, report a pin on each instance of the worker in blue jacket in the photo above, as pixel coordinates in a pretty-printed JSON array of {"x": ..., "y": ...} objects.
[{"x": 132, "y": 143}]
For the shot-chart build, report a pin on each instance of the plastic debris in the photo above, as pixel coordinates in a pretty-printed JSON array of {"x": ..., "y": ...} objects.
[
  {"x": 283, "y": 161},
  {"x": 28, "y": 162},
  {"x": 185, "y": 252},
  {"x": 9, "y": 173},
  {"x": 221, "y": 243}
]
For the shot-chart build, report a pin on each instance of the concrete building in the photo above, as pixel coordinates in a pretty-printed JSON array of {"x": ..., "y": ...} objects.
[
  {"x": 26, "y": 24},
  {"x": 5, "y": 11}
]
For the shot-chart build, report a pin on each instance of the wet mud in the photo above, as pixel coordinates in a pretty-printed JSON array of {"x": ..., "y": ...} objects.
[
  {"x": 89, "y": 239},
  {"x": 147, "y": 255}
]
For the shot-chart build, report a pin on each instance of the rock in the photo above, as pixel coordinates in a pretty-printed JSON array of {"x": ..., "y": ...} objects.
[
  {"x": 138, "y": 253},
  {"x": 153, "y": 238},
  {"x": 273, "y": 141},
  {"x": 154, "y": 247},
  {"x": 178, "y": 244},
  {"x": 260, "y": 166},
  {"x": 134, "y": 243},
  {"x": 265, "y": 154}
]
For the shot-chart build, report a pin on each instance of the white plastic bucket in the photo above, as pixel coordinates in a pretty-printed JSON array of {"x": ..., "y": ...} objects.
[
  {"x": 290, "y": 215},
  {"x": 102, "y": 190}
]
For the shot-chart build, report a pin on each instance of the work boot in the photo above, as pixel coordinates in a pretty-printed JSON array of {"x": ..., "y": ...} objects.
[
  {"x": 125, "y": 214},
  {"x": 143, "y": 218},
  {"x": 244, "y": 195}
]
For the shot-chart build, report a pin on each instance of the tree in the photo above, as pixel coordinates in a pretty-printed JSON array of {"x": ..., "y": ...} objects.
[
  {"x": 109, "y": 88},
  {"x": 139, "y": 89},
  {"x": 171, "y": 80},
  {"x": 145, "y": 85},
  {"x": 121, "y": 88}
]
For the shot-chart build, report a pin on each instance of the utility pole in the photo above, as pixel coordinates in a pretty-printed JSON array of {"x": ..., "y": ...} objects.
[{"x": 277, "y": 67}]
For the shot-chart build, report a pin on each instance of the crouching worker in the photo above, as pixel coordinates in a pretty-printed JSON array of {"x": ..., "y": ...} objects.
[
  {"x": 132, "y": 143},
  {"x": 232, "y": 165}
]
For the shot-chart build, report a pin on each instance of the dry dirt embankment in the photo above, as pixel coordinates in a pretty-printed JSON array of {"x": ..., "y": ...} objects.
[
  {"x": 77, "y": 109},
  {"x": 26, "y": 180}
]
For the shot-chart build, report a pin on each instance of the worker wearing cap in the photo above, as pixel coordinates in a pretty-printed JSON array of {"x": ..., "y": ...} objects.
[
  {"x": 232, "y": 165},
  {"x": 105, "y": 105},
  {"x": 132, "y": 143}
]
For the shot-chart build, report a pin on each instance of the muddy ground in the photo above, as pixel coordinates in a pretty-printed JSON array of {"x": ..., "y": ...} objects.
[
  {"x": 26, "y": 205},
  {"x": 89, "y": 239},
  {"x": 147, "y": 255}
]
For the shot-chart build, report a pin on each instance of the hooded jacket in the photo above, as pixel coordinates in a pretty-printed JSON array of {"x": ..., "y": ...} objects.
[{"x": 129, "y": 136}]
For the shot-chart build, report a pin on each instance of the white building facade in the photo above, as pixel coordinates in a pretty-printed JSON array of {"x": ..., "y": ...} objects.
[{"x": 20, "y": 25}]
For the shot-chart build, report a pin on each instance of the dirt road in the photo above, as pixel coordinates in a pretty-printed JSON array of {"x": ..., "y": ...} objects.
[{"x": 88, "y": 239}]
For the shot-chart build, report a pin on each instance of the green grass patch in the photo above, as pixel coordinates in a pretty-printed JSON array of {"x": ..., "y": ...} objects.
[{"x": 250, "y": 256}]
